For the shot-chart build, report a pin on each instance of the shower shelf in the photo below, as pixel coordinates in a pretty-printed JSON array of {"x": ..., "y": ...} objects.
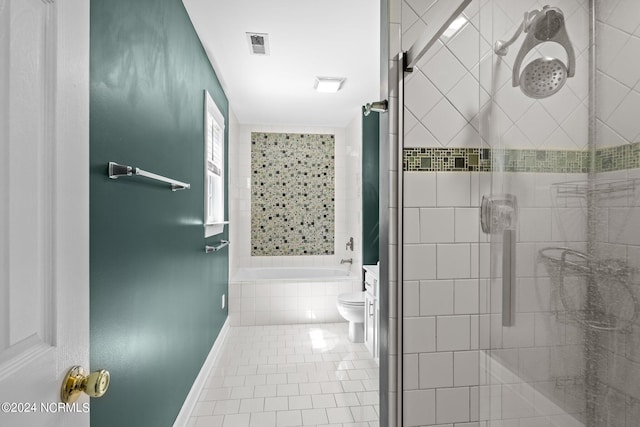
[
  {"x": 599, "y": 187},
  {"x": 595, "y": 293}
]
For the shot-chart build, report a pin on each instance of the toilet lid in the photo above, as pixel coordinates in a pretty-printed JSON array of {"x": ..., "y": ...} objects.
[{"x": 354, "y": 298}]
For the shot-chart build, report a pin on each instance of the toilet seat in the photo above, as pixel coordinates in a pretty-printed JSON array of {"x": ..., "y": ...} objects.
[{"x": 351, "y": 299}]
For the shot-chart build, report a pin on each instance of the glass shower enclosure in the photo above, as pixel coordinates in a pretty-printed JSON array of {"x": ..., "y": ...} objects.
[
  {"x": 559, "y": 329},
  {"x": 528, "y": 114}
]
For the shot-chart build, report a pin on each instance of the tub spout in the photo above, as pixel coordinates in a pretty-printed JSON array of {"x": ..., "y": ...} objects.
[{"x": 346, "y": 261}]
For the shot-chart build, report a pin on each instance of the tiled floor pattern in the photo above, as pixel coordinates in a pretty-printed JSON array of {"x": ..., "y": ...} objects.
[{"x": 290, "y": 375}]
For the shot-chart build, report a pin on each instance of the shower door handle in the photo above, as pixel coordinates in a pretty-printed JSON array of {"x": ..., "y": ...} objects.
[{"x": 508, "y": 276}]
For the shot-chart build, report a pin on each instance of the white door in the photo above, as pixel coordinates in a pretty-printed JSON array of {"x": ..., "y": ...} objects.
[{"x": 44, "y": 207}]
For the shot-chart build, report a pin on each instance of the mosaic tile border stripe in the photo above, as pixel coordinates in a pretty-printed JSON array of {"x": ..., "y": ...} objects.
[
  {"x": 485, "y": 160},
  {"x": 617, "y": 158},
  {"x": 447, "y": 159},
  {"x": 608, "y": 159}
]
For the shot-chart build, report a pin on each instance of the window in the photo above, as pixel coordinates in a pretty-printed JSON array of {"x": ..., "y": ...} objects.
[{"x": 213, "y": 169}]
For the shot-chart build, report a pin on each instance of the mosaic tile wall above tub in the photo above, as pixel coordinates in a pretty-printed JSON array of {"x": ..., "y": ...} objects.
[{"x": 292, "y": 194}]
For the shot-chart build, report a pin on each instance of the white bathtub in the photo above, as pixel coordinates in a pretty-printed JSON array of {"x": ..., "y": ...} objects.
[{"x": 285, "y": 295}]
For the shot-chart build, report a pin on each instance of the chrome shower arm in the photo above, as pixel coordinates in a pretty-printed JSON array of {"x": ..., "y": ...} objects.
[
  {"x": 501, "y": 47},
  {"x": 571, "y": 55}
]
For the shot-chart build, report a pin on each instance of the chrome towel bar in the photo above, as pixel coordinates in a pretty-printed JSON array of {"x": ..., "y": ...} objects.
[
  {"x": 116, "y": 171},
  {"x": 209, "y": 249}
]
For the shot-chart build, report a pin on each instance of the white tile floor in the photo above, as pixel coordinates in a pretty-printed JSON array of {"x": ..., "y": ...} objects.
[{"x": 290, "y": 375}]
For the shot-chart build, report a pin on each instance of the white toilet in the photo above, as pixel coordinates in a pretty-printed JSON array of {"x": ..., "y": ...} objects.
[{"x": 351, "y": 307}]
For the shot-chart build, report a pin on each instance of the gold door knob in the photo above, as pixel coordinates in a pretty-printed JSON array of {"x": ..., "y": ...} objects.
[{"x": 77, "y": 381}]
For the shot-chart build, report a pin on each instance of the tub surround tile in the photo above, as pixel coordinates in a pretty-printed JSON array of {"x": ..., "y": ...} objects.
[{"x": 289, "y": 301}]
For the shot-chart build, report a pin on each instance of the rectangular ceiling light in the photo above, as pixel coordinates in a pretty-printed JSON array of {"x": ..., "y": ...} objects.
[{"x": 328, "y": 84}]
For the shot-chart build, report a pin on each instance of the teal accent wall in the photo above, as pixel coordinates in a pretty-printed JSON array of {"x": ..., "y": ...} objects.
[
  {"x": 155, "y": 294},
  {"x": 370, "y": 187}
]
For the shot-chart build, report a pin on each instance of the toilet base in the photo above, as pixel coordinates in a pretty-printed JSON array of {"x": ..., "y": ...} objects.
[{"x": 356, "y": 332}]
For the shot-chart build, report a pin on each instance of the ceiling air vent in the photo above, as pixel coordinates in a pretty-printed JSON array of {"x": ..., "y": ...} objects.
[{"x": 258, "y": 43}]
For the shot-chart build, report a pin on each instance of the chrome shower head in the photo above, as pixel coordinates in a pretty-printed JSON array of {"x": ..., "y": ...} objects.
[{"x": 544, "y": 76}]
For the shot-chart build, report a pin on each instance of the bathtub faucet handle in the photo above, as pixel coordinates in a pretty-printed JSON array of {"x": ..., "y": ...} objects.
[
  {"x": 346, "y": 261},
  {"x": 350, "y": 244}
]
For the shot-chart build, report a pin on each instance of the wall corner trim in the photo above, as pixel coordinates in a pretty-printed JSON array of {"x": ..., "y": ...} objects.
[{"x": 198, "y": 384}]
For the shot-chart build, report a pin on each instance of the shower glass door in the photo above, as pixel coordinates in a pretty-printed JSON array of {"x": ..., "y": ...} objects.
[{"x": 546, "y": 320}]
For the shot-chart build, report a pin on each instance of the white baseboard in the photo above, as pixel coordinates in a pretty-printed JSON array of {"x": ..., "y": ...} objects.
[{"x": 192, "y": 398}]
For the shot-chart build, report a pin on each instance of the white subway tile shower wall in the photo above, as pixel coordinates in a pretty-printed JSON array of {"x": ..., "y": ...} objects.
[{"x": 446, "y": 257}]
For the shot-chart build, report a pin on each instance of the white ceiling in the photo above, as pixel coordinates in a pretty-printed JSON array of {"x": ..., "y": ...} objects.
[{"x": 308, "y": 38}]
